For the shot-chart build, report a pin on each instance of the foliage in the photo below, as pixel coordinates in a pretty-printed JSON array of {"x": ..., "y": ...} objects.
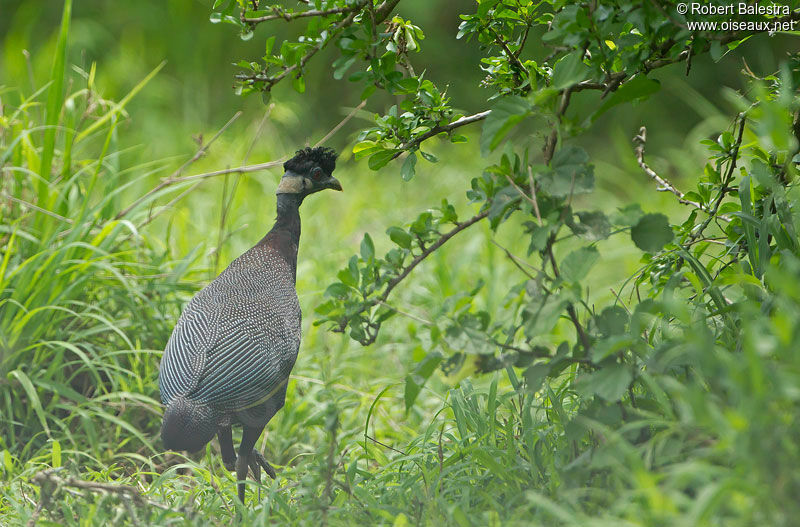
[{"x": 671, "y": 404}]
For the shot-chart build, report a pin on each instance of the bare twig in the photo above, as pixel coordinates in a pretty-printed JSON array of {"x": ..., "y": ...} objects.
[
  {"x": 341, "y": 123},
  {"x": 384, "y": 445},
  {"x": 383, "y": 10},
  {"x": 664, "y": 185},
  {"x": 174, "y": 177},
  {"x": 532, "y": 186},
  {"x": 36, "y": 208},
  {"x": 518, "y": 262},
  {"x": 50, "y": 483}
]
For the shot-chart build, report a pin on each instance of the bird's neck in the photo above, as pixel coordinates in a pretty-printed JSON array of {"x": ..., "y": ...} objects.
[{"x": 285, "y": 234}]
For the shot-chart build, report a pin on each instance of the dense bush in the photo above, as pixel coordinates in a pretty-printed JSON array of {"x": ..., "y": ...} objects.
[{"x": 671, "y": 402}]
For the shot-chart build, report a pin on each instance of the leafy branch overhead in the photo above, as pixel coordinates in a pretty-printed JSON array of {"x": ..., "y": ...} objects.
[{"x": 538, "y": 59}]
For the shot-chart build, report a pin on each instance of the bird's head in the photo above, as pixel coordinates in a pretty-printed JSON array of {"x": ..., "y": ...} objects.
[{"x": 309, "y": 171}]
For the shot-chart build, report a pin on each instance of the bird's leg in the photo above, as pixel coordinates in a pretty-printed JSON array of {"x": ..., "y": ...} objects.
[
  {"x": 249, "y": 438},
  {"x": 226, "y": 447}
]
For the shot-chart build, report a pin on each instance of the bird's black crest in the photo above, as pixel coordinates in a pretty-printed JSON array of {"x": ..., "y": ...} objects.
[{"x": 304, "y": 160}]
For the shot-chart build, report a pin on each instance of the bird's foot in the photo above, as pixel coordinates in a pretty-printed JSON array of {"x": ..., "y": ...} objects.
[{"x": 257, "y": 462}]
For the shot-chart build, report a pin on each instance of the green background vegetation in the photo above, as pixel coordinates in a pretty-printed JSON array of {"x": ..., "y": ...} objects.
[{"x": 87, "y": 302}]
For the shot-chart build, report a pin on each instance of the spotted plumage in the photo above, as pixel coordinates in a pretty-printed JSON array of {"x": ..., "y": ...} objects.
[{"x": 229, "y": 357}]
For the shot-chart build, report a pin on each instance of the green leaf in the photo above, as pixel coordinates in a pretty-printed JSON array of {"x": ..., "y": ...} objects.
[
  {"x": 506, "y": 114},
  {"x": 367, "y": 248},
  {"x": 571, "y": 173},
  {"x": 542, "y": 315},
  {"x": 54, "y": 101},
  {"x": 33, "y": 397},
  {"x": 408, "y": 169},
  {"x": 429, "y": 157},
  {"x": 610, "y": 382},
  {"x": 535, "y": 375},
  {"x": 337, "y": 290},
  {"x": 365, "y": 148},
  {"x": 569, "y": 70},
  {"x": 612, "y": 320},
  {"x": 269, "y": 44},
  {"x": 576, "y": 265},
  {"x": 55, "y": 456},
  {"x": 504, "y": 199},
  {"x": 627, "y": 216},
  {"x": 638, "y": 88},
  {"x": 593, "y": 226},
  {"x": 417, "y": 379},
  {"x": 400, "y": 237},
  {"x": 652, "y": 232},
  {"x": 299, "y": 84},
  {"x": 380, "y": 159}
]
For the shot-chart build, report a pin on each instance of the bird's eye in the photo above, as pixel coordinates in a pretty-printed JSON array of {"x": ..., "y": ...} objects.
[{"x": 316, "y": 173}]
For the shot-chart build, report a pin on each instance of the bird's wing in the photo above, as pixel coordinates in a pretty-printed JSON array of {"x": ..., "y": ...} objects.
[
  {"x": 251, "y": 310},
  {"x": 185, "y": 355}
]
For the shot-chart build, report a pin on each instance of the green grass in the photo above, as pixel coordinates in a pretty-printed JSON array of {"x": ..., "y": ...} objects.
[{"x": 87, "y": 301}]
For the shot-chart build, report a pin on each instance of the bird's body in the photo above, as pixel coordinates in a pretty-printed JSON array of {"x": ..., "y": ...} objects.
[
  {"x": 229, "y": 357},
  {"x": 234, "y": 346}
]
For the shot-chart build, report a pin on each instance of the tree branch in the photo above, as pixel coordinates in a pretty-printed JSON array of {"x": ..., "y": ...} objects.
[
  {"x": 725, "y": 182},
  {"x": 278, "y": 13},
  {"x": 273, "y": 80},
  {"x": 664, "y": 185},
  {"x": 384, "y": 10},
  {"x": 372, "y": 327},
  {"x": 436, "y": 130},
  {"x": 428, "y": 251}
]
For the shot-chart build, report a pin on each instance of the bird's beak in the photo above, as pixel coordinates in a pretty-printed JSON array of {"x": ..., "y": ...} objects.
[{"x": 334, "y": 184}]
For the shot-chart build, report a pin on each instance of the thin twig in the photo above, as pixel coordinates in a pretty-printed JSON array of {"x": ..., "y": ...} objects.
[
  {"x": 515, "y": 261},
  {"x": 535, "y": 201},
  {"x": 46, "y": 478},
  {"x": 427, "y": 252},
  {"x": 384, "y": 445},
  {"x": 341, "y": 124},
  {"x": 725, "y": 182},
  {"x": 173, "y": 178},
  {"x": 664, "y": 185},
  {"x": 37, "y": 208},
  {"x": 381, "y": 299},
  {"x": 512, "y": 57},
  {"x": 436, "y": 130},
  {"x": 279, "y": 13},
  {"x": 406, "y": 314},
  {"x": 275, "y": 79},
  {"x": 550, "y": 144},
  {"x": 521, "y": 192}
]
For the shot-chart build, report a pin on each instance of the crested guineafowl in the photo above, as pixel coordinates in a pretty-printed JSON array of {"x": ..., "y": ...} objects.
[{"x": 229, "y": 357}]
